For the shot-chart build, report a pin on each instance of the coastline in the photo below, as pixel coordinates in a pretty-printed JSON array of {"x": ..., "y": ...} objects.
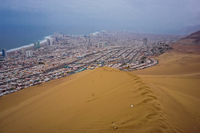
[
  {"x": 44, "y": 40},
  {"x": 30, "y": 45},
  {"x": 41, "y": 42}
]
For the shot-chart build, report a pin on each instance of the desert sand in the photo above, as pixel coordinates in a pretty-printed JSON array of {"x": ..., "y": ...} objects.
[
  {"x": 176, "y": 83},
  {"x": 164, "y": 98}
]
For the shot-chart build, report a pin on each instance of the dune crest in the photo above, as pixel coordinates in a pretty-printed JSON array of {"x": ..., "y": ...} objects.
[{"x": 176, "y": 83}]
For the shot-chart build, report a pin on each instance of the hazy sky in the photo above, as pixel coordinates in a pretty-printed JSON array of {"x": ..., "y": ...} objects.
[{"x": 137, "y": 15}]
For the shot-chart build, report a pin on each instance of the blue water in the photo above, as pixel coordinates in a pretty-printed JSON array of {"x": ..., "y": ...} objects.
[{"x": 16, "y": 36}]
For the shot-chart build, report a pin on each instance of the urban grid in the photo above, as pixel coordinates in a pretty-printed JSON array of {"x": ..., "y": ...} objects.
[{"x": 61, "y": 55}]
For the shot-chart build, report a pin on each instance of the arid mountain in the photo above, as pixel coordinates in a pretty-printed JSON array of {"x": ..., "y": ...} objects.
[
  {"x": 188, "y": 44},
  {"x": 192, "y": 39}
]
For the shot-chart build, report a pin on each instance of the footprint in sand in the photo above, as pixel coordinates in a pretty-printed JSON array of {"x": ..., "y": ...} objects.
[
  {"x": 139, "y": 82},
  {"x": 152, "y": 115},
  {"x": 137, "y": 78},
  {"x": 147, "y": 100},
  {"x": 143, "y": 87},
  {"x": 164, "y": 127},
  {"x": 153, "y": 97},
  {"x": 157, "y": 108}
]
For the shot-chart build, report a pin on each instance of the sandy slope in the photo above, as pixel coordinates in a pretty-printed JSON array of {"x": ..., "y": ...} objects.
[
  {"x": 104, "y": 99},
  {"x": 174, "y": 64},
  {"x": 177, "y": 83},
  {"x": 88, "y": 103}
]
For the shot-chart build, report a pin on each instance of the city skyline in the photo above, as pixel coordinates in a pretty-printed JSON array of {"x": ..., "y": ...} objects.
[{"x": 24, "y": 22}]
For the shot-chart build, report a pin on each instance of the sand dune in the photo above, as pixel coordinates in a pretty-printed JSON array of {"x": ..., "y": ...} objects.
[
  {"x": 109, "y": 100},
  {"x": 89, "y": 103},
  {"x": 176, "y": 83},
  {"x": 174, "y": 64}
]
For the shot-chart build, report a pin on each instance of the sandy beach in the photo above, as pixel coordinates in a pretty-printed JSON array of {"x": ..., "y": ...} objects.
[{"x": 163, "y": 98}]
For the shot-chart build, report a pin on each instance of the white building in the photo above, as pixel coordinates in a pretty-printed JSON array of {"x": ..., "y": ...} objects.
[
  {"x": 29, "y": 53},
  {"x": 23, "y": 50}
]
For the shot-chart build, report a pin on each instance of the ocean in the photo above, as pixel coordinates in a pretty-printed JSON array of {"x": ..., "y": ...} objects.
[
  {"x": 16, "y": 36},
  {"x": 12, "y": 37}
]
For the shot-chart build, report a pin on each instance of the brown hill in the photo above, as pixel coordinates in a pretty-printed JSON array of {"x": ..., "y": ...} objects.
[
  {"x": 192, "y": 39},
  {"x": 189, "y": 44}
]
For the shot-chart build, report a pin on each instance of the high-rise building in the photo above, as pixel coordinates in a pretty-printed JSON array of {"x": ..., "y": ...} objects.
[
  {"x": 4, "y": 53},
  {"x": 51, "y": 41},
  {"x": 89, "y": 41},
  {"x": 35, "y": 45},
  {"x": 100, "y": 45},
  {"x": 145, "y": 41},
  {"x": 23, "y": 50},
  {"x": 29, "y": 53},
  {"x": 38, "y": 44},
  {"x": 56, "y": 39},
  {"x": 48, "y": 41},
  {"x": 104, "y": 45}
]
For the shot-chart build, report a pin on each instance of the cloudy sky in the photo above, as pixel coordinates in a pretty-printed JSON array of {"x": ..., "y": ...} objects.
[{"x": 155, "y": 16}]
